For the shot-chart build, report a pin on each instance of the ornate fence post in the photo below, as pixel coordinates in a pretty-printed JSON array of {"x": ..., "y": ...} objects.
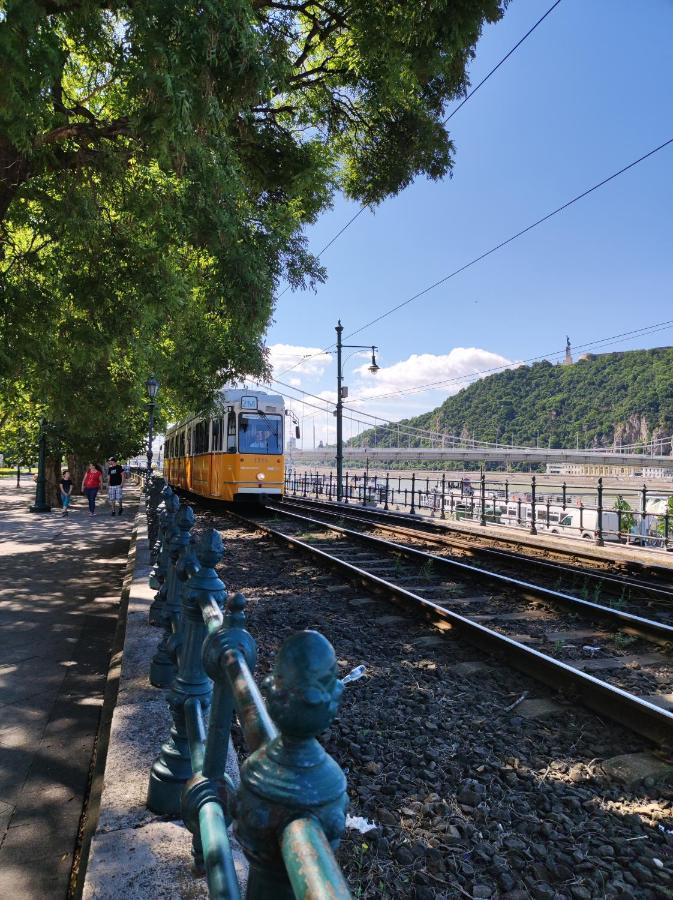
[
  {"x": 291, "y": 780},
  {"x": 173, "y": 767},
  {"x": 412, "y": 510},
  {"x": 482, "y": 496},
  {"x": 159, "y": 573},
  {"x": 599, "y": 514},
  {"x": 385, "y": 505},
  {"x": 211, "y": 783},
  {"x": 163, "y": 668},
  {"x": 533, "y": 511}
]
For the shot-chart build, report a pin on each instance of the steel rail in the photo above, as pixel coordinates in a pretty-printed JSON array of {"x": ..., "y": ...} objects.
[
  {"x": 447, "y": 538},
  {"x": 647, "y": 628},
  {"x": 637, "y": 714}
]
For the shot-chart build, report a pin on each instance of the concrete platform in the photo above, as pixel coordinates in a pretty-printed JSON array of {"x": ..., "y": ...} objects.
[{"x": 59, "y": 603}]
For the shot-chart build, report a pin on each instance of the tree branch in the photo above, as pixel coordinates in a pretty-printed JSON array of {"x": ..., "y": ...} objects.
[{"x": 92, "y": 131}]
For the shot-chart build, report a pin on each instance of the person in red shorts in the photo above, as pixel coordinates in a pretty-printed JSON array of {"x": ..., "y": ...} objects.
[{"x": 91, "y": 484}]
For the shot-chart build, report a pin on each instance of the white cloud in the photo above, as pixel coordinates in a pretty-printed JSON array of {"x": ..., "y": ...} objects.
[
  {"x": 303, "y": 361},
  {"x": 455, "y": 370}
]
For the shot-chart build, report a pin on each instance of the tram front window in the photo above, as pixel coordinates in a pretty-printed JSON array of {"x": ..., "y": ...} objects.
[{"x": 260, "y": 434}]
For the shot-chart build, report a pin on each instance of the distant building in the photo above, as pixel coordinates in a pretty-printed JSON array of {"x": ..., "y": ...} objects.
[
  {"x": 658, "y": 472},
  {"x": 592, "y": 469}
]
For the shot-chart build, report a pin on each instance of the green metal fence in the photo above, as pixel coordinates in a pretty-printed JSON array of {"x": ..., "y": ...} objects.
[{"x": 288, "y": 812}]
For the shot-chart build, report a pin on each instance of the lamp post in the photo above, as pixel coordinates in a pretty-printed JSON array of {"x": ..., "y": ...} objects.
[
  {"x": 41, "y": 505},
  {"x": 152, "y": 386},
  {"x": 342, "y": 393}
]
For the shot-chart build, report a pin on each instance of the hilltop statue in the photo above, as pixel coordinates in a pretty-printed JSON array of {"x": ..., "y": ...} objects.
[{"x": 568, "y": 361}]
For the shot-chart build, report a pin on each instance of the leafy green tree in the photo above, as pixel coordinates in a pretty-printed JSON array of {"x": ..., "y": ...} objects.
[
  {"x": 627, "y": 519},
  {"x": 158, "y": 162}
]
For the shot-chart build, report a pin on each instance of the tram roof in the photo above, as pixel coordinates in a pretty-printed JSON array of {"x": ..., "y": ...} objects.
[{"x": 228, "y": 395}]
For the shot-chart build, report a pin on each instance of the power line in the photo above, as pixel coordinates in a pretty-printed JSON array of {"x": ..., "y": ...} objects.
[
  {"x": 330, "y": 242},
  {"x": 509, "y": 240},
  {"x": 626, "y": 335},
  {"x": 504, "y": 59},
  {"x": 450, "y": 116}
]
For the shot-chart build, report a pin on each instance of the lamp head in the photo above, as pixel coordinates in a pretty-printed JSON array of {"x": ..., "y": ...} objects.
[
  {"x": 373, "y": 368},
  {"x": 152, "y": 386}
]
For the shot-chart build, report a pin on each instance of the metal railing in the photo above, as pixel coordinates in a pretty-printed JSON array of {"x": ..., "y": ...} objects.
[
  {"x": 289, "y": 809},
  {"x": 638, "y": 516}
]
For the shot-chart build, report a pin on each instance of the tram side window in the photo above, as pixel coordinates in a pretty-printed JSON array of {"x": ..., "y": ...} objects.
[
  {"x": 216, "y": 442},
  {"x": 201, "y": 437},
  {"x": 182, "y": 444},
  {"x": 231, "y": 431}
]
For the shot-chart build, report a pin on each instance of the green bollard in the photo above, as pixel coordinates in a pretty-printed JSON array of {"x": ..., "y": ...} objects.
[
  {"x": 173, "y": 767},
  {"x": 292, "y": 777},
  {"x": 163, "y": 668},
  {"x": 163, "y": 567}
]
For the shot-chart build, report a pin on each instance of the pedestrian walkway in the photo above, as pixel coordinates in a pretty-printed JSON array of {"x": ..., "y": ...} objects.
[{"x": 60, "y": 587}]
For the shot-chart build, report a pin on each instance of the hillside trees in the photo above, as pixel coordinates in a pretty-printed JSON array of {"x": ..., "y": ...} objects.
[
  {"x": 612, "y": 398},
  {"x": 158, "y": 161}
]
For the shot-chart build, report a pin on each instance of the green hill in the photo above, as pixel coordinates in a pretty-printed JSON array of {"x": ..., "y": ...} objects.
[{"x": 622, "y": 397}]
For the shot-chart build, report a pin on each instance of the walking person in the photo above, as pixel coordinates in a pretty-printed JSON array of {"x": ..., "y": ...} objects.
[
  {"x": 65, "y": 485},
  {"x": 116, "y": 476},
  {"x": 91, "y": 484}
]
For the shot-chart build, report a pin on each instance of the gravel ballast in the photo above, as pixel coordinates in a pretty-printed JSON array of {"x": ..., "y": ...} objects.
[{"x": 468, "y": 796}]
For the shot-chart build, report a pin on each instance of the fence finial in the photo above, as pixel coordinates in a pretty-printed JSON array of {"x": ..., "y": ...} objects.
[{"x": 292, "y": 777}]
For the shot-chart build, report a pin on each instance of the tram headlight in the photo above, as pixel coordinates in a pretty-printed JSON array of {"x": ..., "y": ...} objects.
[{"x": 261, "y": 476}]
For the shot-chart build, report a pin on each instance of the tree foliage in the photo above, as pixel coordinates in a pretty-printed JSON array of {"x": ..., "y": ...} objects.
[
  {"x": 611, "y": 398},
  {"x": 158, "y": 161}
]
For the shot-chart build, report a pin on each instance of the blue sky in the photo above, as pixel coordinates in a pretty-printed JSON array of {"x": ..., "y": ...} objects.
[{"x": 586, "y": 94}]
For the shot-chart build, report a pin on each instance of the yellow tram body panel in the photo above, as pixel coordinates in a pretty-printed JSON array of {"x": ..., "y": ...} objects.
[{"x": 227, "y": 477}]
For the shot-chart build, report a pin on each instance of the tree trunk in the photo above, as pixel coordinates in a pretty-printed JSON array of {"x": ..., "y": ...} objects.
[{"x": 76, "y": 468}]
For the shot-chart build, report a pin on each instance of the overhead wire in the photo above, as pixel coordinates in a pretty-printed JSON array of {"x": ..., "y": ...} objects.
[
  {"x": 450, "y": 116},
  {"x": 627, "y": 335},
  {"x": 510, "y": 239}
]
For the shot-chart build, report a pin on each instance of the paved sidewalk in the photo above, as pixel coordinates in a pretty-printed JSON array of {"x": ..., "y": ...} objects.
[{"x": 60, "y": 586}]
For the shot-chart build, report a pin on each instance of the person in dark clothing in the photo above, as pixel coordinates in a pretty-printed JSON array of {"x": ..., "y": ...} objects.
[
  {"x": 116, "y": 475},
  {"x": 66, "y": 490}
]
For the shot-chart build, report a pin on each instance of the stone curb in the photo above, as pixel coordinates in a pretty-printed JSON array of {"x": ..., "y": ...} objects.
[{"x": 134, "y": 853}]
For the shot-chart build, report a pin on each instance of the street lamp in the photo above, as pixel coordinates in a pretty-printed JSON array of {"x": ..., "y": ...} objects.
[
  {"x": 41, "y": 505},
  {"x": 342, "y": 393},
  {"x": 152, "y": 386}
]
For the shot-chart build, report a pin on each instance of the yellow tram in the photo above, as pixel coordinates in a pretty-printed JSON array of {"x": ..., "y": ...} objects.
[{"x": 236, "y": 455}]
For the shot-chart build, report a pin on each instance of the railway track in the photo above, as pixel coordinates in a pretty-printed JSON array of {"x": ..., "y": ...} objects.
[
  {"x": 627, "y": 588},
  {"x": 647, "y": 571},
  {"x": 613, "y": 661}
]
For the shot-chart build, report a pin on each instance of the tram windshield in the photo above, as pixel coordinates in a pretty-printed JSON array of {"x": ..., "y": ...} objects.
[{"x": 260, "y": 434}]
